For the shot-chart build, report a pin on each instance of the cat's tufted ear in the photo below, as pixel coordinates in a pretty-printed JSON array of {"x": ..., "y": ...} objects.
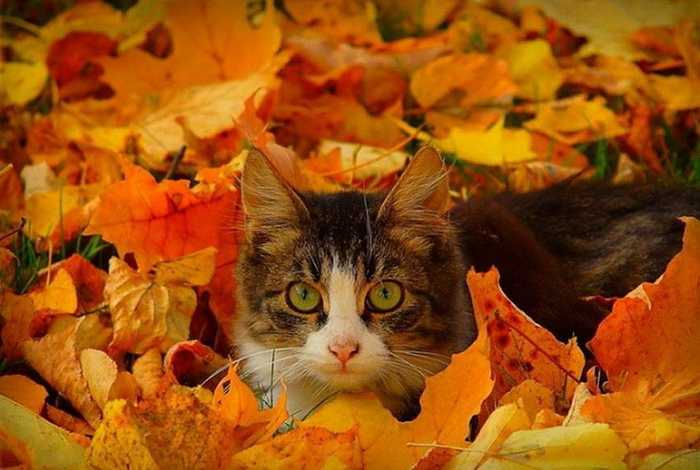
[
  {"x": 422, "y": 186},
  {"x": 268, "y": 200}
]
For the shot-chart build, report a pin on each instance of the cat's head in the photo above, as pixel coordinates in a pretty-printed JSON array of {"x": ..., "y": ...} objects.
[{"x": 351, "y": 291}]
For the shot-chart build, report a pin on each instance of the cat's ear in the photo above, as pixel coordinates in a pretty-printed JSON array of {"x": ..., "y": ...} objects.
[
  {"x": 422, "y": 186},
  {"x": 268, "y": 200}
]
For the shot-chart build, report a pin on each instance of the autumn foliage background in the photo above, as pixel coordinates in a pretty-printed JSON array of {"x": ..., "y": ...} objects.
[{"x": 123, "y": 137}]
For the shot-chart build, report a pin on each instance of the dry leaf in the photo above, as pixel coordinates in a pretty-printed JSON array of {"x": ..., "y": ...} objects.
[
  {"x": 45, "y": 445},
  {"x": 24, "y": 391},
  {"x": 56, "y": 358},
  {"x": 146, "y": 314},
  {"x": 648, "y": 348},
  {"x": 521, "y": 349}
]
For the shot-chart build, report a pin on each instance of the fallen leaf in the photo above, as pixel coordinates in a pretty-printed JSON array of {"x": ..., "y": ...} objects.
[
  {"x": 584, "y": 445},
  {"x": 23, "y": 391},
  {"x": 237, "y": 403},
  {"x": 521, "y": 349},
  {"x": 46, "y": 445},
  {"x": 304, "y": 448},
  {"x": 100, "y": 372},
  {"x": 201, "y": 50},
  {"x": 533, "y": 68},
  {"x": 575, "y": 120},
  {"x": 456, "y": 80},
  {"x": 59, "y": 295},
  {"x": 647, "y": 347},
  {"x": 56, "y": 359},
  {"x": 607, "y": 24},
  {"x": 161, "y": 221},
  {"x": 171, "y": 429},
  {"x": 21, "y": 82},
  {"x": 146, "y": 314}
]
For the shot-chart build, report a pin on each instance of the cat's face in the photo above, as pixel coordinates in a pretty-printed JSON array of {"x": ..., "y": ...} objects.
[{"x": 350, "y": 291}]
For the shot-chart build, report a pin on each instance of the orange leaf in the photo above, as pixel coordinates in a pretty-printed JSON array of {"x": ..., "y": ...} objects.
[
  {"x": 160, "y": 221},
  {"x": 24, "y": 391},
  {"x": 171, "y": 429},
  {"x": 461, "y": 75},
  {"x": 203, "y": 33},
  {"x": 17, "y": 312},
  {"x": 237, "y": 403},
  {"x": 59, "y": 295},
  {"x": 447, "y": 408},
  {"x": 189, "y": 362},
  {"x": 648, "y": 346},
  {"x": 304, "y": 448},
  {"x": 521, "y": 349},
  {"x": 55, "y": 358},
  {"x": 89, "y": 281}
]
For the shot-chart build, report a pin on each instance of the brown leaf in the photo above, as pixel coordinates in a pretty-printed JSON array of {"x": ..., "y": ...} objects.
[
  {"x": 521, "y": 349},
  {"x": 56, "y": 359}
]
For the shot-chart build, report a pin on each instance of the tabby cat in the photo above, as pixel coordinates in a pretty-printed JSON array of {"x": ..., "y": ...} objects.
[{"x": 360, "y": 291}]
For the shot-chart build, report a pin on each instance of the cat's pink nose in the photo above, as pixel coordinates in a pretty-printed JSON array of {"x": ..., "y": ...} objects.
[{"x": 344, "y": 351}]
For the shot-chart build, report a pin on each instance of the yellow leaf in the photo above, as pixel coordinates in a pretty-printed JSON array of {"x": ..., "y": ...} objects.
[
  {"x": 195, "y": 269},
  {"x": 49, "y": 446},
  {"x": 100, "y": 371},
  {"x": 304, "y": 448},
  {"x": 500, "y": 425},
  {"x": 60, "y": 295},
  {"x": 203, "y": 111},
  {"x": 677, "y": 93},
  {"x": 117, "y": 443},
  {"x": 496, "y": 146},
  {"x": 534, "y": 69},
  {"x": 55, "y": 358},
  {"x": 606, "y": 24},
  {"x": 575, "y": 120},
  {"x": 145, "y": 313},
  {"x": 21, "y": 82},
  {"x": 579, "y": 446}
]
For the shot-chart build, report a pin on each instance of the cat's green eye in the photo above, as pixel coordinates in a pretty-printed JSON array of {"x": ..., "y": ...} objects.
[
  {"x": 303, "y": 297},
  {"x": 385, "y": 296}
]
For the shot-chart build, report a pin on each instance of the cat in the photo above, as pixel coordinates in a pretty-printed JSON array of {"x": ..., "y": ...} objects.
[{"x": 354, "y": 291}]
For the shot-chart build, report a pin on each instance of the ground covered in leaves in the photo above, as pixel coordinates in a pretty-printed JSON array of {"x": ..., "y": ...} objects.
[{"x": 123, "y": 136}]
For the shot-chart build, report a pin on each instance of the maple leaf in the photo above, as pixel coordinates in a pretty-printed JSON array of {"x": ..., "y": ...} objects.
[
  {"x": 155, "y": 310},
  {"x": 533, "y": 68},
  {"x": 607, "y": 24},
  {"x": 204, "y": 35},
  {"x": 237, "y": 403},
  {"x": 648, "y": 348},
  {"x": 574, "y": 120},
  {"x": 521, "y": 349},
  {"x": 160, "y": 221},
  {"x": 444, "y": 81},
  {"x": 446, "y": 409}
]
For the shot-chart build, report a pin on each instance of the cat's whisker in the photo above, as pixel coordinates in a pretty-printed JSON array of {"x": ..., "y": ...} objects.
[{"x": 271, "y": 351}]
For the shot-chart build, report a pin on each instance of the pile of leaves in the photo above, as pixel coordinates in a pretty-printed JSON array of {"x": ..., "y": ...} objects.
[{"x": 123, "y": 137}]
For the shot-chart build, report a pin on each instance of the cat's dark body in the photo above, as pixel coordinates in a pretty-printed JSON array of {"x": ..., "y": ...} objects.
[
  {"x": 551, "y": 247},
  {"x": 555, "y": 246}
]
